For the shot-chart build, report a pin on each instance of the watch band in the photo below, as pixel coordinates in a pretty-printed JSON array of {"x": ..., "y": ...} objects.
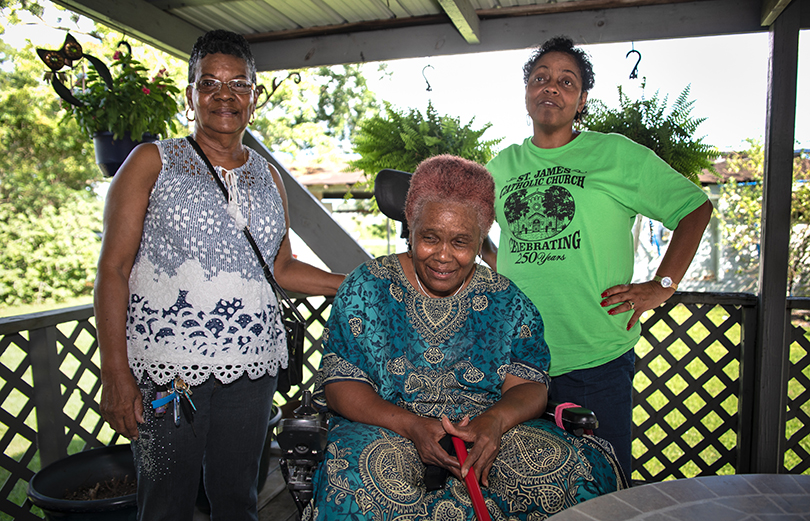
[{"x": 666, "y": 282}]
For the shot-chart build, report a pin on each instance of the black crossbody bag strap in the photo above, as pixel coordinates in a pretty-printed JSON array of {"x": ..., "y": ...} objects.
[{"x": 265, "y": 268}]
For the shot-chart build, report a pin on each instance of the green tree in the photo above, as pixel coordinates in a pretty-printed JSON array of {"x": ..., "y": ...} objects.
[
  {"x": 316, "y": 115},
  {"x": 45, "y": 162},
  {"x": 50, "y": 213},
  {"x": 741, "y": 214},
  {"x": 671, "y": 136},
  {"x": 50, "y": 178},
  {"x": 51, "y": 256}
]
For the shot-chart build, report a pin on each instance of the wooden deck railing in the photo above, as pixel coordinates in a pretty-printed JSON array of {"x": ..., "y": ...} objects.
[{"x": 694, "y": 401}]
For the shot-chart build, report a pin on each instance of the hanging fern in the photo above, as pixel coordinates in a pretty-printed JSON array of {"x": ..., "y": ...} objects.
[
  {"x": 401, "y": 140},
  {"x": 670, "y": 136}
]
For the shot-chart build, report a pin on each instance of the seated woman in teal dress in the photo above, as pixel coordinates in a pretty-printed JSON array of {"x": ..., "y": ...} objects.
[{"x": 428, "y": 343}]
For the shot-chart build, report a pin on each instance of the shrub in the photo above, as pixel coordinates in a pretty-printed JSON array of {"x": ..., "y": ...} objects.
[
  {"x": 50, "y": 257},
  {"x": 670, "y": 136}
]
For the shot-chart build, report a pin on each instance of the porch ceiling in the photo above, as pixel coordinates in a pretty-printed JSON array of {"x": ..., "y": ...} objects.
[{"x": 304, "y": 33}]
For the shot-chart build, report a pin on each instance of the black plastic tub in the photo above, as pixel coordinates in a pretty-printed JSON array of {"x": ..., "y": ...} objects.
[{"x": 50, "y": 485}]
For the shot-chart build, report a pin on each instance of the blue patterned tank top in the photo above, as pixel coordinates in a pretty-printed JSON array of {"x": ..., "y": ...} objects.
[{"x": 199, "y": 303}]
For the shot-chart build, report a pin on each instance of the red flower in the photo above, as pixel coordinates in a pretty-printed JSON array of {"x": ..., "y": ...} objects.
[
  {"x": 117, "y": 55},
  {"x": 146, "y": 91}
]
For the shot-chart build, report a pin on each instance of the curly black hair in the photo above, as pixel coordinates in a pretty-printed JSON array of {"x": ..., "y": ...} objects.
[
  {"x": 565, "y": 45},
  {"x": 224, "y": 42}
]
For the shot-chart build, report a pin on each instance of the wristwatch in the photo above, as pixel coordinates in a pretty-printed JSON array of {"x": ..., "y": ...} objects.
[{"x": 666, "y": 282}]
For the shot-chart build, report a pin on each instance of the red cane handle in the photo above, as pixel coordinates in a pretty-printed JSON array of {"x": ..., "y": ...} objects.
[{"x": 473, "y": 488}]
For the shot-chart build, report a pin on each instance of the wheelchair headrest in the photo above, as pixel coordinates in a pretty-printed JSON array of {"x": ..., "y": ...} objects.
[{"x": 391, "y": 189}]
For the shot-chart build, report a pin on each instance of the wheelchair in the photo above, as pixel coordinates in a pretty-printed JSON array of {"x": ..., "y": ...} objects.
[{"x": 302, "y": 438}]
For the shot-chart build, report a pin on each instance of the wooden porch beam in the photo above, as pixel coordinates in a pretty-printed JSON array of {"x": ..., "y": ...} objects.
[
  {"x": 772, "y": 346},
  {"x": 463, "y": 16},
  {"x": 771, "y": 9},
  {"x": 141, "y": 20},
  {"x": 652, "y": 22}
]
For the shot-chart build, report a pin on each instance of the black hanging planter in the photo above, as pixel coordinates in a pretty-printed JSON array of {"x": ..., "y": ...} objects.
[
  {"x": 50, "y": 485},
  {"x": 111, "y": 153}
]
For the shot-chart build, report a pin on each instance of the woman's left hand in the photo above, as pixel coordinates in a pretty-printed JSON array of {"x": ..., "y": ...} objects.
[
  {"x": 636, "y": 298},
  {"x": 484, "y": 432}
]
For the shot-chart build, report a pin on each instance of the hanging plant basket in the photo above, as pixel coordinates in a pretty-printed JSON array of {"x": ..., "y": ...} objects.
[
  {"x": 50, "y": 486},
  {"x": 111, "y": 153}
]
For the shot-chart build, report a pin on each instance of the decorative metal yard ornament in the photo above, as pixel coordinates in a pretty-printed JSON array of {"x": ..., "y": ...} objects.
[
  {"x": 276, "y": 84},
  {"x": 71, "y": 51}
]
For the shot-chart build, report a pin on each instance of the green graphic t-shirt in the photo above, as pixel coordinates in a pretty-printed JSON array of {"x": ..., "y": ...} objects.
[{"x": 566, "y": 216}]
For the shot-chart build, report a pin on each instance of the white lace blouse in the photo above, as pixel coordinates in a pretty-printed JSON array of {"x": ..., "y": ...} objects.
[{"x": 199, "y": 303}]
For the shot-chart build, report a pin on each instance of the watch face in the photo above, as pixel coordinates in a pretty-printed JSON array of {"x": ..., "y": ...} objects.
[{"x": 666, "y": 282}]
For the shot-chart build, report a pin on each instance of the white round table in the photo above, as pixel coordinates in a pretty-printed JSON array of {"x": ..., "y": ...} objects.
[{"x": 749, "y": 497}]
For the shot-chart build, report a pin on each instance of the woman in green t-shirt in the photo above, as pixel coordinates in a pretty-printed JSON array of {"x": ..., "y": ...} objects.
[{"x": 566, "y": 201}]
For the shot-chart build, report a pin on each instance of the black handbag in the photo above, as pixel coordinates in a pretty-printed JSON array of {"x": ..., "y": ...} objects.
[{"x": 294, "y": 323}]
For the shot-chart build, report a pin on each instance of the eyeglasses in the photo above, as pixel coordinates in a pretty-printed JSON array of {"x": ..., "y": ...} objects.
[{"x": 211, "y": 86}]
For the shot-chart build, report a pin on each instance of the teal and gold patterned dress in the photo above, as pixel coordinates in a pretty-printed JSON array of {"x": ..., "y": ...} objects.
[{"x": 435, "y": 356}]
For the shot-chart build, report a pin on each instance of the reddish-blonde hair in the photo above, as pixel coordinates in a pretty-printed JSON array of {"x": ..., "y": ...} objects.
[{"x": 450, "y": 178}]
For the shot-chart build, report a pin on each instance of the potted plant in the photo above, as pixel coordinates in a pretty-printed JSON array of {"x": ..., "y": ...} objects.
[
  {"x": 94, "y": 485},
  {"x": 116, "y": 111},
  {"x": 401, "y": 140}
]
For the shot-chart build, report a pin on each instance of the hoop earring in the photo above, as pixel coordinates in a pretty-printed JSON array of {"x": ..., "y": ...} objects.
[
  {"x": 528, "y": 120},
  {"x": 189, "y": 118}
]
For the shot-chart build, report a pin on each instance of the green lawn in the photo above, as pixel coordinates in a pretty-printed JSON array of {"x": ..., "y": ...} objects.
[{"x": 36, "y": 308}]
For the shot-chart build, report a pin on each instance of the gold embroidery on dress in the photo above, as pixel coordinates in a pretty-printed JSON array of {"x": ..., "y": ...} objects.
[
  {"x": 340, "y": 485},
  {"x": 325, "y": 334},
  {"x": 525, "y": 331},
  {"x": 473, "y": 374},
  {"x": 396, "y": 291},
  {"x": 356, "y": 325},
  {"x": 397, "y": 365},
  {"x": 381, "y": 267},
  {"x": 392, "y": 475},
  {"x": 525, "y": 371},
  {"x": 434, "y": 355},
  {"x": 438, "y": 392},
  {"x": 334, "y": 367},
  {"x": 436, "y": 320},
  {"x": 448, "y": 511},
  {"x": 536, "y": 468},
  {"x": 486, "y": 280}
]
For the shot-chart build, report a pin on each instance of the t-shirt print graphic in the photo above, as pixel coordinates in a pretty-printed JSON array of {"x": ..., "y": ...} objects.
[{"x": 538, "y": 214}]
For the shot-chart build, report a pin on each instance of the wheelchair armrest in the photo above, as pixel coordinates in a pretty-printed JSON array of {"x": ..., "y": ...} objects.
[{"x": 576, "y": 420}]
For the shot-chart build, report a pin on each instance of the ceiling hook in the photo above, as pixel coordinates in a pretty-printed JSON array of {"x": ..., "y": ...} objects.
[
  {"x": 634, "y": 72},
  {"x": 429, "y": 89}
]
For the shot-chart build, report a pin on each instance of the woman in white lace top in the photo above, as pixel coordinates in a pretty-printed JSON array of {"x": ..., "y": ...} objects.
[{"x": 181, "y": 300}]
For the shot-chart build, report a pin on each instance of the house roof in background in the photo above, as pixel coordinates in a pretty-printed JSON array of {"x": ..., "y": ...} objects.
[
  {"x": 303, "y": 33},
  {"x": 324, "y": 173},
  {"x": 726, "y": 173}
]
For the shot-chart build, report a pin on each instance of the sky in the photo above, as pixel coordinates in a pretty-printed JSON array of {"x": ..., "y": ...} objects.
[{"x": 727, "y": 76}]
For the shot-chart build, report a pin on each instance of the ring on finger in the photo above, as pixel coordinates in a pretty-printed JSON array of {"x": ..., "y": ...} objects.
[{"x": 632, "y": 304}]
